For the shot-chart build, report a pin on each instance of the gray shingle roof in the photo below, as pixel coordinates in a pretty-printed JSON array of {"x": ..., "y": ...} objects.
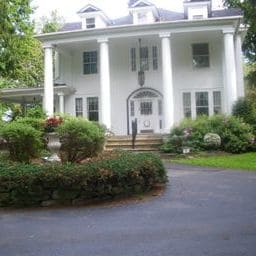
[
  {"x": 227, "y": 12},
  {"x": 164, "y": 15},
  {"x": 71, "y": 26}
]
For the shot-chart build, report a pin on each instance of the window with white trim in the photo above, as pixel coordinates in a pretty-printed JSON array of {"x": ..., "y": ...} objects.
[
  {"x": 155, "y": 57},
  {"x": 90, "y": 23},
  {"x": 216, "y": 102},
  {"x": 201, "y": 56},
  {"x": 90, "y": 62},
  {"x": 93, "y": 109},
  {"x": 146, "y": 108},
  {"x": 133, "y": 59},
  {"x": 202, "y": 103},
  {"x": 142, "y": 18},
  {"x": 144, "y": 58},
  {"x": 79, "y": 107},
  {"x": 187, "y": 104}
]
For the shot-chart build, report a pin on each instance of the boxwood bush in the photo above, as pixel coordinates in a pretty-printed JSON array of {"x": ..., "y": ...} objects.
[
  {"x": 23, "y": 141},
  {"x": 119, "y": 175},
  {"x": 80, "y": 139},
  {"x": 236, "y": 136}
]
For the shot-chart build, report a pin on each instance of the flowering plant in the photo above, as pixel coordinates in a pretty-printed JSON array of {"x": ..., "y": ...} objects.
[{"x": 52, "y": 123}]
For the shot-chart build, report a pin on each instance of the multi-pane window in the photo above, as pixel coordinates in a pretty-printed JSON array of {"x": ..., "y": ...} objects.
[
  {"x": 146, "y": 108},
  {"x": 90, "y": 23},
  {"x": 202, "y": 103},
  {"x": 155, "y": 58},
  {"x": 90, "y": 62},
  {"x": 187, "y": 104},
  {"x": 79, "y": 106},
  {"x": 217, "y": 102},
  {"x": 133, "y": 59},
  {"x": 144, "y": 58},
  {"x": 93, "y": 108},
  {"x": 142, "y": 18},
  {"x": 200, "y": 54}
]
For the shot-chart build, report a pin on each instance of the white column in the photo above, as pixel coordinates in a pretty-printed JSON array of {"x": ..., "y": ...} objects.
[
  {"x": 230, "y": 68},
  {"x": 61, "y": 102},
  {"x": 48, "y": 81},
  {"x": 168, "y": 98},
  {"x": 105, "y": 83},
  {"x": 239, "y": 66}
]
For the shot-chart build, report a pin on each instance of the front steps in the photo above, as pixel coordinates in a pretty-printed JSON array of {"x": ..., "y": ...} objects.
[{"x": 143, "y": 142}]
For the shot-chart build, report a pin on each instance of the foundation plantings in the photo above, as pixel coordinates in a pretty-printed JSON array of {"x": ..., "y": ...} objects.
[{"x": 119, "y": 174}]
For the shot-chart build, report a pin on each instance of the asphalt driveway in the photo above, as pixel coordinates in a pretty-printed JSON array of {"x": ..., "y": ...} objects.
[{"x": 202, "y": 212}]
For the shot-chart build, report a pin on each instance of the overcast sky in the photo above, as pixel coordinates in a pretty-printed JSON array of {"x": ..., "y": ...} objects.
[{"x": 113, "y": 8}]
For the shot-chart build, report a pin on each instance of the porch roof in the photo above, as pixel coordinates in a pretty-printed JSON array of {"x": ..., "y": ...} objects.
[{"x": 31, "y": 94}]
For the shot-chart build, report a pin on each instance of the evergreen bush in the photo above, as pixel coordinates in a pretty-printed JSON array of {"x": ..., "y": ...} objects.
[
  {"x": 80, "y": 139},
  {"x": 121, "y": 174},
  {"x": 23, "y": 141}
]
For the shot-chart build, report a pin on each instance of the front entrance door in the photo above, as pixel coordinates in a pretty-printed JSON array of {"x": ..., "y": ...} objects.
[{"x": 146, "y": 107}]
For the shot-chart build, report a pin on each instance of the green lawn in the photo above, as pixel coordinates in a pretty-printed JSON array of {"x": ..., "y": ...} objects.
[{"x": 243, "y": 161}]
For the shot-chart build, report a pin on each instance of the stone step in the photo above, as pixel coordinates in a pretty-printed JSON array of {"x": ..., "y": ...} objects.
[
  {"x": 129, "y": 143},
  {"x": 147, "y": 142}
]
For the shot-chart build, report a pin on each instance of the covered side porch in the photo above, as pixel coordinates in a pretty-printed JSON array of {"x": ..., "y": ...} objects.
[{"x": 35, "y": 95}]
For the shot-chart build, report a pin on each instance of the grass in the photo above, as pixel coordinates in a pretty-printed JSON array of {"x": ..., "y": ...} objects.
[{"x": 245, "y": 161}]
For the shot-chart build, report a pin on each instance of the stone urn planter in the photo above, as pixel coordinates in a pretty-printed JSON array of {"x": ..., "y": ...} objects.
[{"x": 53, "y": 144}]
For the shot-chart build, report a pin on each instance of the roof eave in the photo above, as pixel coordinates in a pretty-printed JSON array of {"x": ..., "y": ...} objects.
[{"x": 98, "y": 31}]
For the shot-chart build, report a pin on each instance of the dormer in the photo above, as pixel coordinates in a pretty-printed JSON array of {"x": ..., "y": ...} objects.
[
  {"x": 197, "y": 9},
  {"x": 143, "y": 12},
  {"x": 93, "y": 17}
]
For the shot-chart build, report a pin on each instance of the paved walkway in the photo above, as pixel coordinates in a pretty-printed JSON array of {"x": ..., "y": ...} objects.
[{"x": 202, "y": 212}]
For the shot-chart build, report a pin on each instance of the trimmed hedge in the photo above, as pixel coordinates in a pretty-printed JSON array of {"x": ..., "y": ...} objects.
[{"x": 120, "y": 175}]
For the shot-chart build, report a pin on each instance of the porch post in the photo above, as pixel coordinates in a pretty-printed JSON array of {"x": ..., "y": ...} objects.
[
  {"x": 48, "y": 80},
  {"x": 230, "y": 68},
  {"x": 168, "y": 99},
  {"x": 239, "y": 65},
  {"x": 105, "y": 83},
  {"x": 61, "y": 102}
]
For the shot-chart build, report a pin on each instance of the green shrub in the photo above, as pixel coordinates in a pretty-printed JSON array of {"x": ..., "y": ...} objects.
[
  {"x": 36, "y": 123},
  {"x": 245, "y": 109},
  {"x": 36, "y": 112},
  {"x": 23, "y": 141},
  {"x": 236, "y": 136},
  {"x": 80, "y": 139},
  {"x": 119, "y": 175}
]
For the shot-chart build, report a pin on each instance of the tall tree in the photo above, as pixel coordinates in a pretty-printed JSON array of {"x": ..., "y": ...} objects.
[
  {"x": 20, "y": 54},
  {"x": 249, "y": 45},
  {"x": 249, "y": 9},
  {"x": 52, "y": 23}
]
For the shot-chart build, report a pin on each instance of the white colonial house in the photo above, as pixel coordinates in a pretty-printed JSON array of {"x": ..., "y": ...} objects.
[{"x": 154, "y": 65}]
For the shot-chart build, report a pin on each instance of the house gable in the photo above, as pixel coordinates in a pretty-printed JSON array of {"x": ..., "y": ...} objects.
[
  {"x": 143, "y": 12},
  {"x": 93, "y": 17}
]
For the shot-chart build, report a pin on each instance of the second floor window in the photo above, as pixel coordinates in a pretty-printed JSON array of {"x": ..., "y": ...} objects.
[
  {"x": 133, "y": 59},
  {"x": 90, "y": 23},
  {"x": 90, "y": 62},
  {"x": 144, "y": 58},
  {"x": 201, "y": 58},
  {"x": 155, "y": 58}
]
